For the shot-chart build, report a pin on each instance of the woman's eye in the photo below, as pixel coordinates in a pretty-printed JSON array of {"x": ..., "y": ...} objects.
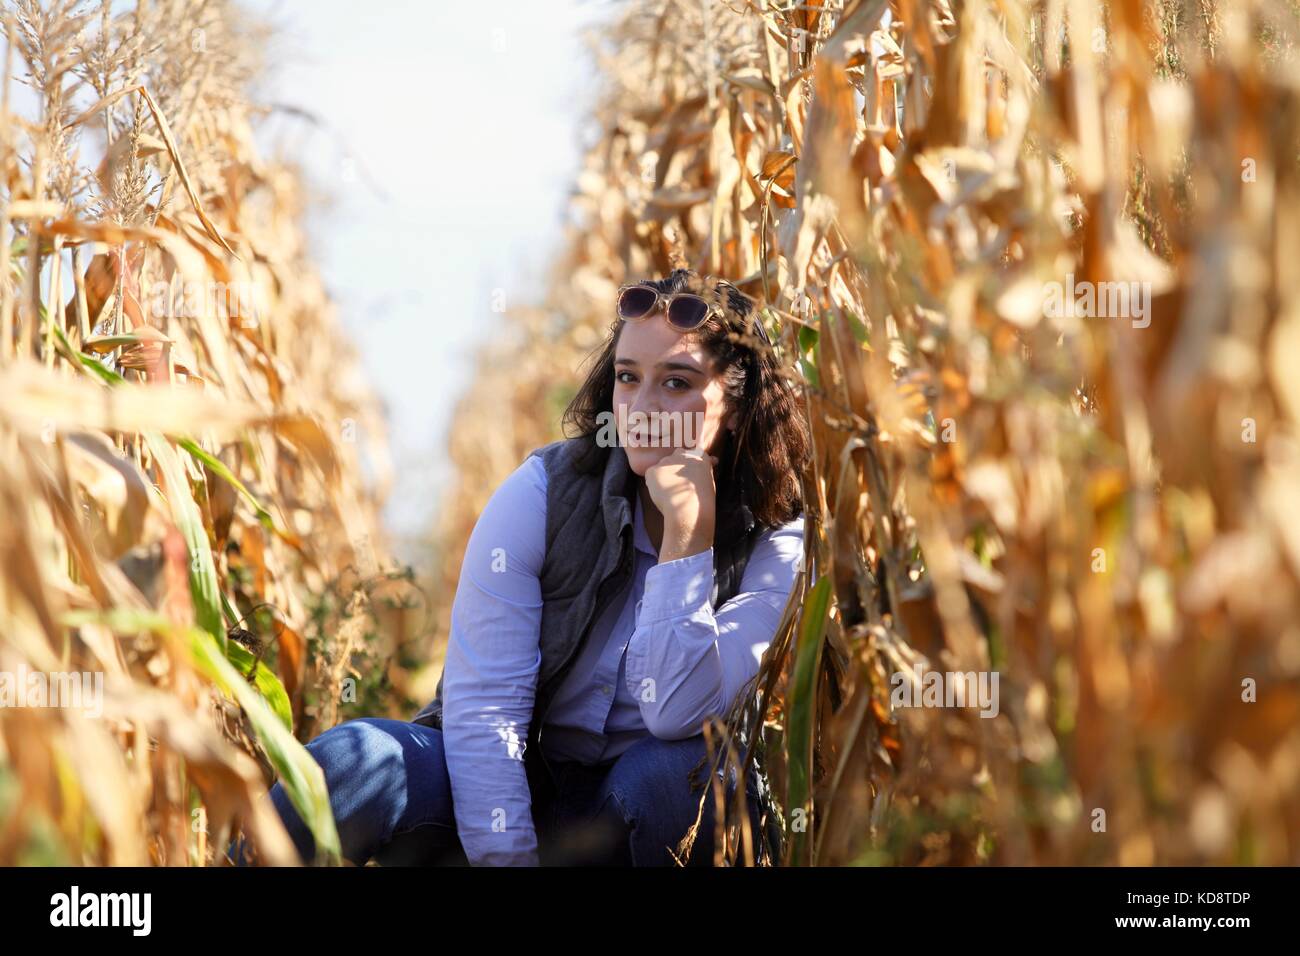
[
  {"x": 682, "y": 383},
  {"x": 618, "y": 377}
]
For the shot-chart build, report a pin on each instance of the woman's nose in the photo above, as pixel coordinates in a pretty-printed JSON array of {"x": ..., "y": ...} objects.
[
  {"x": 646, "y": 401},
  {"x": 643, "y": 416}
]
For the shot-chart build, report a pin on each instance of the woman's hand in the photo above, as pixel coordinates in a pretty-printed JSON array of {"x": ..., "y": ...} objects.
[{"x": 681, "y": 486}]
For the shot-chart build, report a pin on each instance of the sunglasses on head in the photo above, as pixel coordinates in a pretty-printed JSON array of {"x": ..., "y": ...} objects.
[{"x": 684, "y": 310}]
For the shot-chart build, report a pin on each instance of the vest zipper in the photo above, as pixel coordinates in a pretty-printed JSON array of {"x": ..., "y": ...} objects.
[{"x": 602, "y": 600}]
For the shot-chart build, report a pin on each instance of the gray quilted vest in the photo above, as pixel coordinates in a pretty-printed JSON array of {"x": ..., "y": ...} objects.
[{"x": 588, "y": 561}]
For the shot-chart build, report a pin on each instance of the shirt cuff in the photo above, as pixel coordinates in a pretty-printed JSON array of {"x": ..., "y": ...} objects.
[{"x": 677, "y": 587}]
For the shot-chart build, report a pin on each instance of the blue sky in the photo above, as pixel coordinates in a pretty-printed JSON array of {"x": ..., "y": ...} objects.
[{"x": 454, "y": 135}]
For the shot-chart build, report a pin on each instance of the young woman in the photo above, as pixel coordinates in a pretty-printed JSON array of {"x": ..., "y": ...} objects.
[{"x": 619, "y": 588}]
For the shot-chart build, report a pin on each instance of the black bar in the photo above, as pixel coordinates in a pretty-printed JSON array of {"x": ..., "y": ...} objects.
[{"x": 370, "y": 904}]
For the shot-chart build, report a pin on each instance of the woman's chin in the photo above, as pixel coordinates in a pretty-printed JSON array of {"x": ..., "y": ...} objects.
[{"x": 641, "y": 459}]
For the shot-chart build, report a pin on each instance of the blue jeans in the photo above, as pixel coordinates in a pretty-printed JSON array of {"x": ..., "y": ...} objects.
[{"x": 392, "y": 801}]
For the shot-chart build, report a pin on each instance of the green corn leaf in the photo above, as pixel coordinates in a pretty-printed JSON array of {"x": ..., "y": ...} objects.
[
  {"x": 857, "y": 327},
  {"x": 807, "y": 338},
  {"x": 89, "y": 362},
  {"x": 216, "y": 465},
  {"x": 204, "y": 589},
  {"x": 801, "y": 723},
  {"x": 808, "y": 355},
  {"x": 232, "y": 618},
  {"x": 301, "y": 775},
  {"x": 264, "y": 679},
  {"x": 218, "y": 468}
]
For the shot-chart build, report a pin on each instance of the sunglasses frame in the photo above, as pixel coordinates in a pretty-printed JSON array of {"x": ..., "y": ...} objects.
[{"x": 667, "y": 298}]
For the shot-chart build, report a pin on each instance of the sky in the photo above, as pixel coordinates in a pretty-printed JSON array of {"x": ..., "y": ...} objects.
[{"x": 450, "y": 137}]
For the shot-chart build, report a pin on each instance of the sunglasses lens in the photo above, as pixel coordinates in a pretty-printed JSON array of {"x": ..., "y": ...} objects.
[
  {"x": 636, "y": 302},
  {"x": 688, "y": 311}
]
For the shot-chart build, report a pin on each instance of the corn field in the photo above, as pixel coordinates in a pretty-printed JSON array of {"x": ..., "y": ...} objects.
[
  {"x": 1085, "y": 498},
  {"x": 181, "y": 422},
  {"x": 1096, "y": 509}
]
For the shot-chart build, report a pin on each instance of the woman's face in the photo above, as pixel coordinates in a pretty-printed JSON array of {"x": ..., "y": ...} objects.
[{"x": 666, "y": 393}]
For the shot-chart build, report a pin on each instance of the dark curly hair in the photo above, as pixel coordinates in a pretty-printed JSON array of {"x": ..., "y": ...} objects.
[{"x": 761, "y": 461}]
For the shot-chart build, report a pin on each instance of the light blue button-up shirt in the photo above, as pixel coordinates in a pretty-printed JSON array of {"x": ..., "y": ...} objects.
[{"x": 658, "y": 660}]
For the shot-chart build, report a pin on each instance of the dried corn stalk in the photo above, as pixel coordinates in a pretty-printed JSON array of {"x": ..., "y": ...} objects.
[
  {"x": 181, "y": 437},
  {"x": 1095, "y": 508}
]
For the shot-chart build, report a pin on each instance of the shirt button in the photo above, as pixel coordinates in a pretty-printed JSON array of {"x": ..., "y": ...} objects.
[{"x": 605, "y": 689}]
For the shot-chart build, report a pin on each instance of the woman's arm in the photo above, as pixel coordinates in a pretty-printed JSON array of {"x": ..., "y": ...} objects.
[
  {"x": 684, "y": 661},
  {"x": 490, "y": 675}
]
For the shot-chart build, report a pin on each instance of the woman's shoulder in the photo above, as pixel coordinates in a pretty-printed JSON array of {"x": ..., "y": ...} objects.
[
  {"x": 784, "y": 540},
  {"x": 776, "y": 557},
  {"x": 533, "y": 467},
  {"x": 794, "y": 527},
  {"x": 525, "y": 487},
  {"x": 572, "y": 457},
  {"x": 513, "y": 521}
]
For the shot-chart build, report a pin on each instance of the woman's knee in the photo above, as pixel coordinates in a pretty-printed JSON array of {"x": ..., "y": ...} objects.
[
  {"x": 661, "y": 788},
  {"x": 655, "y": 769},
  {"x": 377, "y": 755},
  {"x": 362, "y": 744},
  {"x": 369, "y": 764}
]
